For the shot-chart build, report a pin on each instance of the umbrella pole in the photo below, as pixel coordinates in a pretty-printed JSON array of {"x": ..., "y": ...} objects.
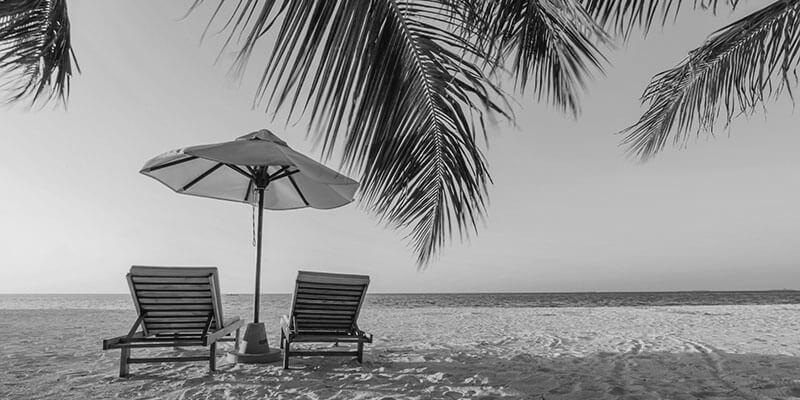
[
  {"x": 255, "y": 346},
  {"x": 260, "y": 192}
]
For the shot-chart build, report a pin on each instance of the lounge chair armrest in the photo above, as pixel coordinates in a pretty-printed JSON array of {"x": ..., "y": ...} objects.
[
  {"x": 367, "y": 336},
  {"x": 231, "y": 325},
  {"x": 114, "y": 343},
  {"x": 286, "y": 325}
]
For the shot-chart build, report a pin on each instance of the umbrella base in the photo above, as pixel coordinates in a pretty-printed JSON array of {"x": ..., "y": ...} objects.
[
  {"x": 273, "y": 355},
  {"x": 255, "y": 347}
]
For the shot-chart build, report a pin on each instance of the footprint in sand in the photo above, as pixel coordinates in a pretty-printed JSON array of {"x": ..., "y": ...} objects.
[
  {"x": 637, "y": 346},
  {"x": 554, "y": 341},
  {"x": 715, "y": 361}
]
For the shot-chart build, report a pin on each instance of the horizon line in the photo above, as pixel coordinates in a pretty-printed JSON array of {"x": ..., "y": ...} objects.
[{"x": 468, "y": 293}]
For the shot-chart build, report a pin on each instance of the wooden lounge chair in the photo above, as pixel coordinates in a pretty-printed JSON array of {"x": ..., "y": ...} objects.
[
  {"x": 325, "y": 309},
  {"x": 177, "y": 306}
]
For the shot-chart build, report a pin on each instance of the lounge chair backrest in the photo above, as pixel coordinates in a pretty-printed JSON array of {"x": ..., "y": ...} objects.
[
  {"x": 327, "y": 302},
  {"x": 176, "y": 299}
]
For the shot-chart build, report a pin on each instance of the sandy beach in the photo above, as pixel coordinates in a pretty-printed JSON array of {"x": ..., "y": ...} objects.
[{"x": 680, "y": 352}]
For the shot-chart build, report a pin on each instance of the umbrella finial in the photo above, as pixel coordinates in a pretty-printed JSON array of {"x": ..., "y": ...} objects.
[{"x": 263, "y": 134}]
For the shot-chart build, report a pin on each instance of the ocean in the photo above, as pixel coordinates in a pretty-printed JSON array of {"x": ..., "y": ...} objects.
[{"x": 435, "y": 300}]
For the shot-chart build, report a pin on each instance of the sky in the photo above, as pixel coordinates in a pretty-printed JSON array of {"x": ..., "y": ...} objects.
[{"x": 568, "y": 210}]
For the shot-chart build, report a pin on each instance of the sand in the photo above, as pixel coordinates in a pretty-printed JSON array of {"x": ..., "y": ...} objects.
[{"x": 686, "y": 352}]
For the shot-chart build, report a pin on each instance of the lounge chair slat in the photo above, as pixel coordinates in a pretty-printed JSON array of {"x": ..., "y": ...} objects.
[
  {"x": 176, "y": 307},
  {"x": 192, "y": 334},
  {"x": 184, "y": 313},
  {"x": 331, "y": 278},
  {"x": 322, "y": 353},
  {"x": 166, "y": 338},
  {"x": 325, "y": 338},
  {"x": 167, "y": 359},
  {"x": 308, "y": 322},
  {"x": 174, "y": 300},
  {"x": 300, "y": 305},
  {"x": 173, "y": 293},
  {"x": 172, "y": 286},
  {"x": 323, "y": 327},
  {"x": 304, "y": 323},
  {"x": 307, "y": 300},
  {"x": 303, "y": 295},
  {"x": 137, "y": 345},
  {"x": 304, "y": 320},
  {"x": 304, "y": 306},
  {"x": 321, "y": 316},
  {"x": 155, "y": 320},
  {"x": 186, "y": 325},
  {"x": 322, "y": 311},
  {"x": 324, "y": 303},
  {"x": 168, "y": 279},
  {"x": 341, "y": 303},
  {"x": 330, "y": 292},
  {"x": 177, "y": 323},
  {"x": 308, "y": 285},
  {"x": 355, "y": 293},
  {"x": 325, "y": 306},
  {"x": 173, "y": 330}
]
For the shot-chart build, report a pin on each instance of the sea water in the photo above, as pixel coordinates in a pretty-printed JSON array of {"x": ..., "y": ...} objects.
[{"x": 435, "y": 300}]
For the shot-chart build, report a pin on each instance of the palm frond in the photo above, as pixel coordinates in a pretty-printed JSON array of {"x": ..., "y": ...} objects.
[
  {"x": 739, "y": 67},
  {"x": 36, "y": 56},
  {"x": 622, "y": 16},
  {"x": 554, "y": 45},
  {"x": 392, "y": 83}
]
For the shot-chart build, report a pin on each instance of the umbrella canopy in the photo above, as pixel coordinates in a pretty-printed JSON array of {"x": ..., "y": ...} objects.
[
  {"x": 234, "y": 170},
  {"x": 258, "y": 169}
]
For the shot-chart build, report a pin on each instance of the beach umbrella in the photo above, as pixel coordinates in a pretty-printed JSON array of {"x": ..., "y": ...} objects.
[{"x": 258, "y": 169}]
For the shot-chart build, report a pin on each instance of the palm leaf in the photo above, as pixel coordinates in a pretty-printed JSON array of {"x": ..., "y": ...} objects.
[
  {"x": 738, "y": 68},
  {"x": 622, "y": 16},
  {"x": 35, "y": 51},
  {"x": 392, "y": 84},
  {"x": 553, "y": 45}
]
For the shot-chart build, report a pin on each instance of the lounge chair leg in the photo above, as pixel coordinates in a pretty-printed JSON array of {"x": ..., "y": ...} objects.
[
  {"x": 212, "y": 360},
  {"x": 238, "y": 342},
  {"x": 283, "y": 337},
  {"x": 360, "y": 356},
  {"x": 124, "y": 355},
  {"x": 286, "y": 346}
]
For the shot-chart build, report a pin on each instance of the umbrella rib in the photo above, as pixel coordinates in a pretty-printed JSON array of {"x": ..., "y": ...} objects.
[
  {"x": 239, "y": 170},
  {"x": 203, "y": 175},
  {"x": 291, "y": 179},
  {"x": 273, "y": 176},
  {"x": 249, "y": 188},
  {"x": 171, "y": 163}
]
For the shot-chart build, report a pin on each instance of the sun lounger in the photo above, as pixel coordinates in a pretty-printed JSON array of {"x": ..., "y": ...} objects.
[
  {"x": 325, "y": 309},
  {"x": 176, "y": 306}
]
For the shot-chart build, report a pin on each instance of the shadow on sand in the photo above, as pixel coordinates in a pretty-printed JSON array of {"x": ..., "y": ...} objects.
[{"x": 705, "y": 374}]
